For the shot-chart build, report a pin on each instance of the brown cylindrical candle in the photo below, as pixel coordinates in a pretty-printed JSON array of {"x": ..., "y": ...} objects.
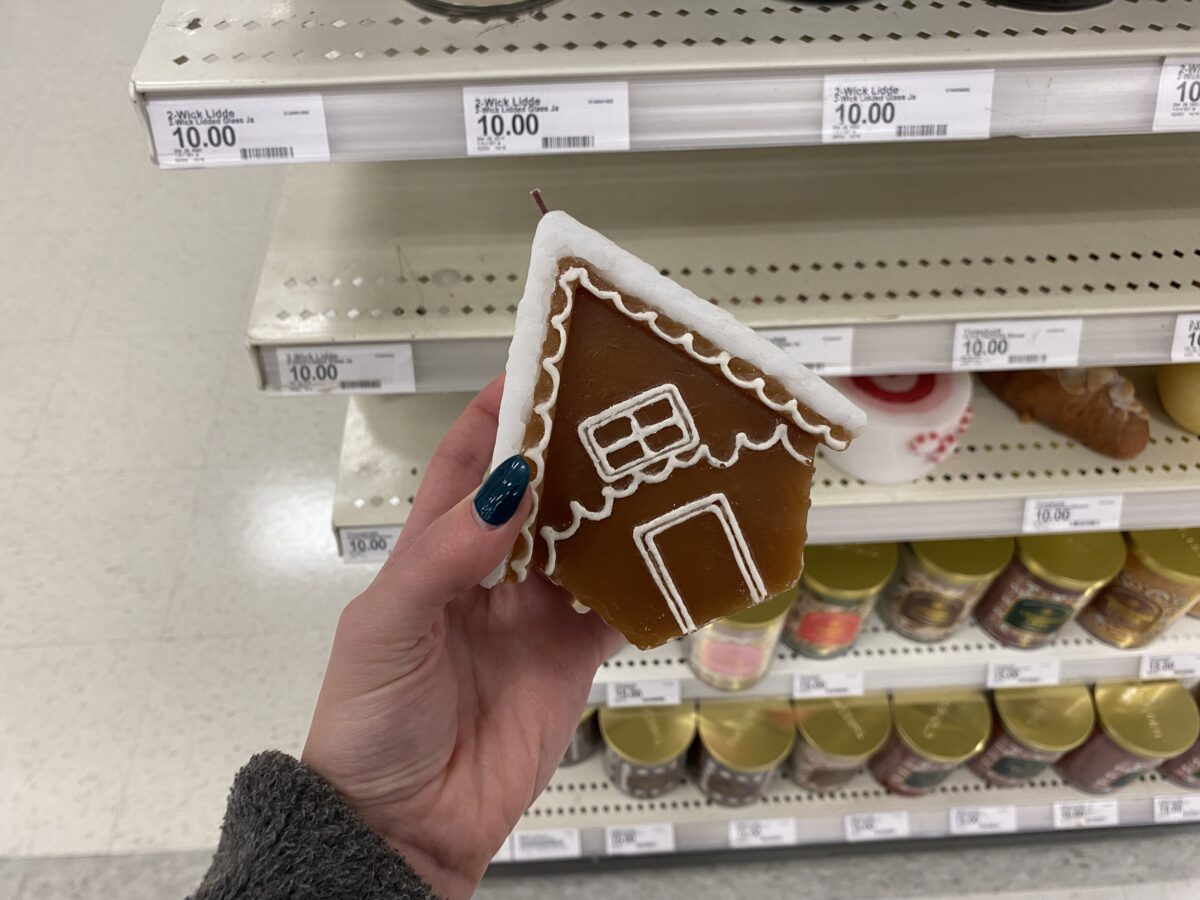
[
  {"x": 934, "y": 733},
  {"x": 645, "y": 747},
  {"x": 1033, "y": 727},
  {"x": 742, "y": 743}
]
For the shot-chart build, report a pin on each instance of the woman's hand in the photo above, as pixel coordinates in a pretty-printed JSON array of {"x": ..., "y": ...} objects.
[{"x": 446, "y": 707}]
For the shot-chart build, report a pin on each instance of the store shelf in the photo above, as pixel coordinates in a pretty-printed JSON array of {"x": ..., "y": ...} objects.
[
  {"x": 726, "y": 74},
  {"x": 980, "y": 490},
  {"x": 899, "y": 243},
  {"x": 580, "y": 799}
]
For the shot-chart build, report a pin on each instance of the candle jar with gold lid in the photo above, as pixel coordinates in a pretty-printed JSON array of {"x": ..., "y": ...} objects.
[
  {"x": 735, "y": 653},
  {"x": 1033, "y": 727},
  {"x": 836, "y": 737},
  {"x": 933, "y": 733},
  {"x": 645, "y": 747},
  {"x": 741, "y": 746}
]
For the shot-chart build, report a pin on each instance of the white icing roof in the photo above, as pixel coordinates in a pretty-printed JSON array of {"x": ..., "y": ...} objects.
[{"x": 559, "y": 235}]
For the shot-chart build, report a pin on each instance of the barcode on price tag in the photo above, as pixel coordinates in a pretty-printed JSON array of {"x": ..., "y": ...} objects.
[
  {"x": 1086, "y": 814},
  {"x": 1176, "y": 809},
  {"x": 746, "y": 833},
  {"x": 368, "y": 544},
  {"x": 634, "y": 840},
  {"x": 1185, "y": 347},
  {"x": 1048, "y": 514},
  {"x": 1016, "y": 344},
  {"x": 1022, "y": 674},
  {"x": 983, "y": 820},
  {"x": 824, "y": 350},
  {"x": 350, "y": 369},
  {"x": 551, "y": 843},
  {"x": 238, "y": 131},
  {"x": 878, "y": 826},
  {"x": 661, "y": 692},
  {"x": 1178, "y": 105},
  {"x": 546, "y": 118},
  {"x": 831, "y": 684},
  {"x": 1170, "y": 665},
  {"x": 907, "y": 106}
]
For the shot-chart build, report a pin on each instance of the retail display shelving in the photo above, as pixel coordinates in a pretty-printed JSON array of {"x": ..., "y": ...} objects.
[
  {"x": 980, "y": 490},
  {"x": 897, "y": 243},
  {"x": 571, "y": 818},
  {"x": 723, "y": 74}
]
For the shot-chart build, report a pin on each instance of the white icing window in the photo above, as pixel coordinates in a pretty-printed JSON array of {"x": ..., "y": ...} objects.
[{"x": 639, "y": 432}]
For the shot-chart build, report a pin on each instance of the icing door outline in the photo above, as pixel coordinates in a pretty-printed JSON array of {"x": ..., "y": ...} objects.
[
  {"x": 714, "y": 504},
  {"x": 648, "y": 428}
]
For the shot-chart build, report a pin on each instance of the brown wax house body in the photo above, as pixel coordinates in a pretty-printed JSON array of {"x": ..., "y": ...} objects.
[{"x": 671, "y": 447}]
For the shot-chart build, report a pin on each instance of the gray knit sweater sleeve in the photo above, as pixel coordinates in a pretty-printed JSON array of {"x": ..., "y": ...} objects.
[{"x": 287, "y": 834}]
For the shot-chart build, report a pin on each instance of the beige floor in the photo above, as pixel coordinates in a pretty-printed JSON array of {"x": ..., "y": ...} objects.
[{"x": 168, "y": 579}]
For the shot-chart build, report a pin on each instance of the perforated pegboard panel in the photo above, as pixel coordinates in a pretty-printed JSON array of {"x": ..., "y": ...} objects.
[
  {"x": 722, "y": 74},
  {"x": 221, "y": 42},
  {"x": 581, "y": 797},
  {"x": 980, "y": 490},
  {"x": 900, "y": 242}
]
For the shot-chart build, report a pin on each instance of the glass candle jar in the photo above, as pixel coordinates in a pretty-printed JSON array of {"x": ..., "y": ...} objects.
[
  {"x": 741, "y": 745},
  {"x": 585, "y": 741},
  {"x": 1157, "y": 586},
  {"x": 1184, "y": 769},
  {"x": 939, "y": 584},
  {"x": 734, "y": 653},
  {"x": 1032, "y": 728},
  {"x": 1052, "y": 577},
  {"x": 836, "y": 738},
  {"x": 934, "y": 732},
  {"x": 1140, "y": 725},
  {"x": 837, "y": 591},
  {"x": 645, "y": 747}
]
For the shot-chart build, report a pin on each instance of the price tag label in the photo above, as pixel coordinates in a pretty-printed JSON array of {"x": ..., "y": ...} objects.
[
  {"x": 634, "y": 840},
  {"x": 1170, "y": 665},
  {"x": 983, "y": 820},
  {"x": 879, "y": 826},
  {"x": 550, "y": 843},
  {"x": 1178, "y": 106},
  {"x": 505, "y": 853},
  {"x": 368, "y": 544},
  {"x": 352, "y": 369},
  {"x": 546, "y": 118},
  {"x": 1185, "y": 347},
  {"x": 831, "y": 684},
  {"x": 1046, "y": 514},
  {"x": 907, "y": 106},
  {"x": 1022, "y": 674},
  {"x": 1016, "y": 344},
  {"x": 1176, "y": 809},
  {"x": 746, "y": 833},
  {"x": 1086, "y": 814},
  {"x": 238, "y": 131},
  {"x": 824, "y": 350},
  {"x": 663, "y": 692}
]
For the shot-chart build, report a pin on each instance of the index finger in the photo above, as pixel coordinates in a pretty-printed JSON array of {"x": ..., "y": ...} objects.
[{"x": 459, "y": 463}]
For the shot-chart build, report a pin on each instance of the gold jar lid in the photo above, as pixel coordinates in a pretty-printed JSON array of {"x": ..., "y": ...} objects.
[
  {"x": 649, "y": 735},
  {"x": 747, "y": 735},
  {"x": 845, "y": 727},
  {"x": 1155, "y": 719},
  {"x": 1173, "y": 553},
  {"x": 1053, "y": 719},
  {"x": 965, "y": 561},
  {"x": 947, "y": 726},
  {"x": 764, "y": 613},
  {"x": 849, "y": 571},
  {"x": 587, "y": 713},
  {"x": 1073, "y": 561}
]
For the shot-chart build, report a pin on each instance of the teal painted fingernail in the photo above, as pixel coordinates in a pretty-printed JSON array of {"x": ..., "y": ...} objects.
[{"x": 501, "y": 494}]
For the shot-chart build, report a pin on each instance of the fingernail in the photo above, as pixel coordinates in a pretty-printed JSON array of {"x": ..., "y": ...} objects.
[{"x": 501, "y": 494}]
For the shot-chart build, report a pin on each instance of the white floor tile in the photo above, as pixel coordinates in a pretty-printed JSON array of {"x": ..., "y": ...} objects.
[
  {"x": 70, "y": 716},
  {"x": 46, "y": 280},
  {"x": 31, "y": 371},
  {"x": 213, "y": 704},
  {"x": 91, "y": 558},
  {"x": 262, "y": 557},
  {"x": 138, "y": 402}
]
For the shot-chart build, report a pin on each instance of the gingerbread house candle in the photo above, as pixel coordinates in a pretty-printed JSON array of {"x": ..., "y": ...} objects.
[{"x": 671, "y": 447}]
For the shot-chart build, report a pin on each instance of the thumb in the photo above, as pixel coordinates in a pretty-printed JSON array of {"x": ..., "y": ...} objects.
[{"x": 455, "y": 552}]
